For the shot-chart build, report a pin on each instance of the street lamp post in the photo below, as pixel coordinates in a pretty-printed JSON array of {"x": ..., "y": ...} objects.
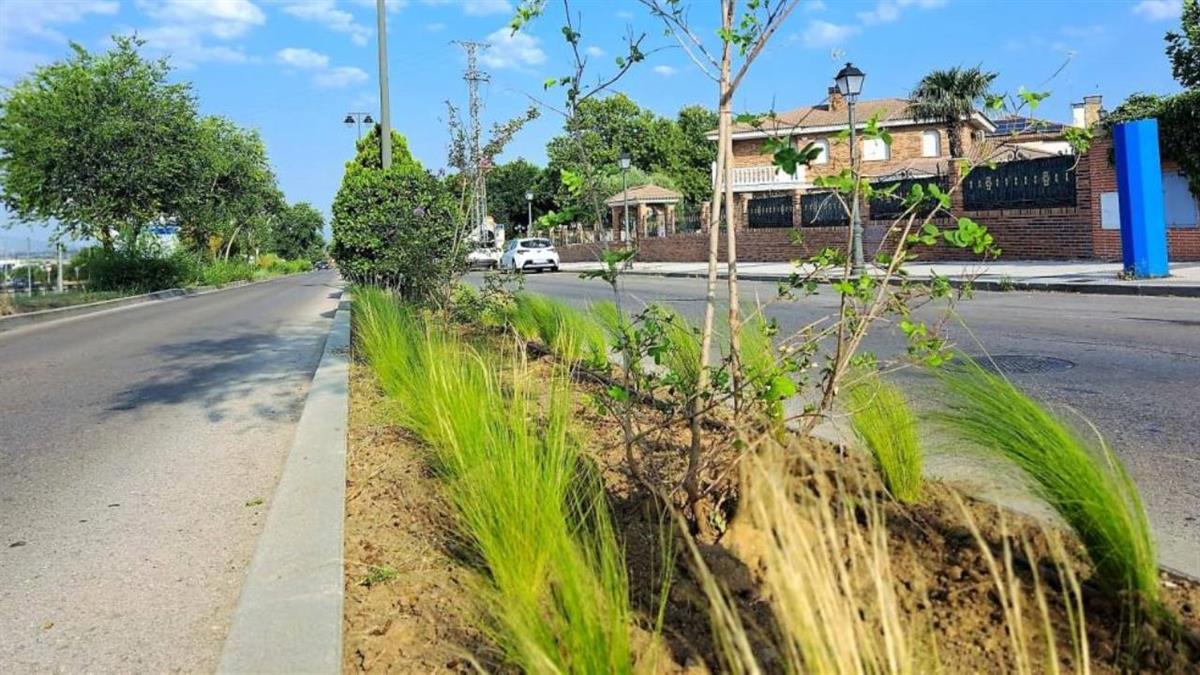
[
  {"x": 849, "y": 83},
  {"x": 529, "y": 216},
  {"x": 624, "y": 161},
  {"x": 358, "y": 119}
]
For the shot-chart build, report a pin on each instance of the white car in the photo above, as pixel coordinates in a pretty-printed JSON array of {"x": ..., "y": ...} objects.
[
  {"x": 529, "y": 254},
  {"x": 483, "y": 258}
]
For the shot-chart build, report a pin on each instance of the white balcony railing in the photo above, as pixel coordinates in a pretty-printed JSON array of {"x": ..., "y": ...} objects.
[{"x": 767, "y": 177}]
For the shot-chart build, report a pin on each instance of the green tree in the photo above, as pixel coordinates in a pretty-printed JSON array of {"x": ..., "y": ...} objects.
[
  {"x": 692, "y": 165},
  {"x": 1184, "y": 48},
  {"x": 236, "y": 194},
  {"x": 101, "y": 143},
  {"x": 367, "y": 153},
  {"x": 506, "y": 188},
  {"x": 395, "y": 227},
  {"x": 949, "y": 97},
  {"x": 298, "y": 232},
  {"x": 1178, "y": 119}
]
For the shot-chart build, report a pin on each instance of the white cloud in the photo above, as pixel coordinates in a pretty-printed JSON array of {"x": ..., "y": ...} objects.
[
  {"x": 512, "y": 50},
  {"x": 664, "y": 70},
  {"x": 186, "y": 47},
  {"x": 323, "y": 75},
  {"x": 887, "y": 11},
  {"x": 1159, "y": 10},
  {"x": 299, "y": 57},
  {"x": 475, "y": 7},
  {"x": 221, "y": 18},
  {"x": 826, "y": 34},
  {"x": 37, "y": 19},
  {"x": 326, "y": 13},
  {"x": 342, "y": 76},
  {"x": 22, "y": 23},
  {"x": 594, "y": 51}
]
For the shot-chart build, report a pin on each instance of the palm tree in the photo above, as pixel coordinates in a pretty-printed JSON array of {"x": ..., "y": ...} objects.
[{"x": 950, "y": 96}]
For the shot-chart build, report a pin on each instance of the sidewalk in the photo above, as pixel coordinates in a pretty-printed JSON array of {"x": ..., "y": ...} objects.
[{"x": 1071, "y": 277}]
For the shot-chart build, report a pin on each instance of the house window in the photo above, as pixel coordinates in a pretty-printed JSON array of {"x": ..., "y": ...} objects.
[
  {"x": 823, "y": 146},
  {"x": 931, "y": 143},
  {"x": 875, "y": 150}
]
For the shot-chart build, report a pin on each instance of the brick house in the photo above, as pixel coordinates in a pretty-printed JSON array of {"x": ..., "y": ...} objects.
[
  {"x": 1059, "y": 206},
  {"x": 918, "y": 149}
]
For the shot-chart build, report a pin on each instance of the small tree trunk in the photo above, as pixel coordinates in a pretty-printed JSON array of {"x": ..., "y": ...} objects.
[
  {"x": 725, "y": 143},
  {"x": 720, "y": 190}
]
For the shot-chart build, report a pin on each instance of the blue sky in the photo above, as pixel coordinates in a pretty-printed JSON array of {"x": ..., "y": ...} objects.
[{"x": 294, "y": 68}]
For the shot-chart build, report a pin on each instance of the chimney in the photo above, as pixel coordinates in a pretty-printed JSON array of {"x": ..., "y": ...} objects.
[
  {"x": 1091, "y": 109},
  {"x": 1078, "y": 116},
  {"x": 835, "y": 99}
]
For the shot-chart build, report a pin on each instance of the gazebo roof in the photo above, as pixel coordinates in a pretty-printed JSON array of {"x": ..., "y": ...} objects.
[{"x": 644, "y": 194}]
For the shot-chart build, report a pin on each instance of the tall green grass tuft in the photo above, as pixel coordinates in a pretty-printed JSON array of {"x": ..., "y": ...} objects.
[
  {"x": 1078, "y": 476},
  {"x": 555, "y": 588},
  {"x": 682, "y": 356},
  {"x": 883, "y": 421},
  {"x": 571, "y": 334}
]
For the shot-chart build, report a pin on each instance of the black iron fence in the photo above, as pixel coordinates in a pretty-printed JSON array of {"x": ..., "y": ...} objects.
[
  {"x": 822, "y": 209},
  {"x": 1022, "y": 184},
  {"x": 769, "y": 212},
  {"x": 687, "y": 218},
  {"x": 891, "y": 205}
]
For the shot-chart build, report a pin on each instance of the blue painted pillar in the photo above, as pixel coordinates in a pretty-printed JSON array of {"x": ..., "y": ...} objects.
[{"x": 1140, "y": 189}]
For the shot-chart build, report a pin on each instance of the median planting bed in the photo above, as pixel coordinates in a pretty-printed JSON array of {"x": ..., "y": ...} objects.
[{"x": 520, "y": 498}]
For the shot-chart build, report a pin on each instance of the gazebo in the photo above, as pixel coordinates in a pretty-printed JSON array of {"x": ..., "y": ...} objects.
[{"x": 651, "y": 211}]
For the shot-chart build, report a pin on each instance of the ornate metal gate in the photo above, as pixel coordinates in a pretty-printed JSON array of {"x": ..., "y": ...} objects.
[{"x": 770, "y": 212}]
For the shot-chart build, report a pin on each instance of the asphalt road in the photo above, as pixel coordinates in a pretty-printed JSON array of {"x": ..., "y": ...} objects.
[
  {"x": 1130, "y": 365},
  {"x": 139, "y": 449}
]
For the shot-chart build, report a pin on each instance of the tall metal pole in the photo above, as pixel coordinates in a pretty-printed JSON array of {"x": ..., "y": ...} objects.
[
  {"x": 625, "y": 212},
  {"x": 29, "y": 263},
  {"x": 529, "y": 217},
  {"x": 385, "y": 112},
  {"x": 59, "y": 284},
  {"x": 473, "y": 76},
  {"x": 855, "y": 220}
]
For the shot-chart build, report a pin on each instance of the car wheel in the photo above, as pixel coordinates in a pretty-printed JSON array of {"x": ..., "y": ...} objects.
[{"x": 554, "y": 269}]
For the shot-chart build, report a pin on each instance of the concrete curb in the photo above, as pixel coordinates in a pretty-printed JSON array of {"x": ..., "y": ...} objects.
[
  {"x": 289, "y": 615},
  {"x": 1104, "y": 288},
  {"x": 14, "y": 321}
]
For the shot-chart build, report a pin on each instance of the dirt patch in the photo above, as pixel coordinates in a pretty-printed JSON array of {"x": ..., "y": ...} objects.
[{"x": 407, "y": 606}]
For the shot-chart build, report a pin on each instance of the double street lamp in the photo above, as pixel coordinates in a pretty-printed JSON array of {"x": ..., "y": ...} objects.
[
  {"x": 849, "y": 83},
  {"x": 358, "y": 119}
]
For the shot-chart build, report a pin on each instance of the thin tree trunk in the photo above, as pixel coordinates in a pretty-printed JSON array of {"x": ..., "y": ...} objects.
[
  {"x": 725, "y": 143},
  {"x": 692, "y": 478},
  {"x": 229, "y": 244}
]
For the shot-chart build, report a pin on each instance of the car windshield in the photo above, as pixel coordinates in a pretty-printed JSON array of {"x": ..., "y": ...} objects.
[{"x": 536, "y": 243}]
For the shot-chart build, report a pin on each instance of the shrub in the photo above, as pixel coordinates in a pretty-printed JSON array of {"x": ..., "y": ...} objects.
[
  {"x": 270, "y": 262},
  {"x": 396, "y": 227},
  {"x": 135, "y": 270},
  {"x": 222, "y": 272},
  {"x": 887, "y": 427},
  {"x": 1079, "y": 477}
]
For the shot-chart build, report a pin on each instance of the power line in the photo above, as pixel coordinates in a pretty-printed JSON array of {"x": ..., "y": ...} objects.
[{"x": 477, "y": 210}]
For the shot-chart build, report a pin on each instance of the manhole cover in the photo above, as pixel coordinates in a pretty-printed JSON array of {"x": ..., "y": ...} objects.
[{"x": 1022, "y": 364}]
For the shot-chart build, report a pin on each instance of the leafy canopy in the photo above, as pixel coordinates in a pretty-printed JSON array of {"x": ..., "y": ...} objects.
[
  {"x": 101, "y": 143},
  {"x": 1183, "y": 48}
]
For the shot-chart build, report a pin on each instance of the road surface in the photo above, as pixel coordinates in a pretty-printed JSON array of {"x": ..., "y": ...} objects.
[
  {"x": 139, "y": 449},
  {"x": 1130, "y": 365}
]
